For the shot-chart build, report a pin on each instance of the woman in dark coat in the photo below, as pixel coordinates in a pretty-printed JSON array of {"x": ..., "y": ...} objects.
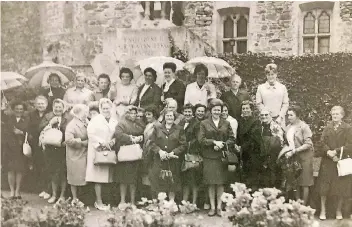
[
  {"x": 215, "y": 135},
  {"x": 128, "y": 131},
  {"x": 55, "y": 91},
  {"x": 55, "y": 157},
  {"x": 336, "y": 135},
  {"x": 192, "y": 178},
  {"x": 15, "y": 130},
  {"x": 168, "y": 144},
  {"x": 248, "y": 138}
]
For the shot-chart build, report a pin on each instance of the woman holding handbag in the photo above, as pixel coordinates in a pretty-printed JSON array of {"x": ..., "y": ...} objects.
[
  {"x": 129, "y": 137},
  {"x": 54, "y": 148},
  {"x": 16, "y": 163},
  {"x": 101, "y": 130},
  {"x": 336, "y": 135},
  {"x": 192, "y": 163},
  {"x": 168, "y": 144},
  {"x": 215, "y": 135}
]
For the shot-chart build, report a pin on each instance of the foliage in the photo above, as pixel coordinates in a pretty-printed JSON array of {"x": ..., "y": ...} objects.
[
  {"x": 175, "y": 51},
  {"x": 153, "y": 213},
  {"x": 265, "y": 208},
  {"x": 64, "y": 214}
]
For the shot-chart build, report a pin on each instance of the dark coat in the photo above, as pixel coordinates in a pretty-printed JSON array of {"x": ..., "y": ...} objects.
[
  {"x": 46, "y": 119},
  {"x": 328, "y": 180},
  {"x": 13, "y": 151},
  {"x": 176, "y": 91},
  {"x": 34, "y": 121},
  {"x": 58, "y": 93},
  {"x": 234, "y": 102},
  {"x": 192, "y": 131},
  {"x": 173, "y": 140},
  {"x": 152, "y": 96},
  {"x": 208, "y": 133}
]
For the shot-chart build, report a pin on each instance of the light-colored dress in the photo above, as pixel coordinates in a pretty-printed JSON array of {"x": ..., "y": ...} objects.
[
  {"x": 126, "y": 94},
  {"x": 99, "y": 131},
  {"x": 76, "y": 152}
]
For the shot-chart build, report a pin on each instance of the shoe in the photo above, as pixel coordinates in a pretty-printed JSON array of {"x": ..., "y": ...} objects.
[
  {"x": 339, "y": 217},
  {"x": 46, "y": 196},
  {"x": 60, "y": 200},
  {"x": 211, "y": 213},
  {"x": 218, "y": 213},
  {"x": 122, "y": 206},
  {"x": 322, "y": 217},
  {"x": 52, "y": 200},
  {"x": 18, "y": 197},
  {"x": 206, "y": 206},
  {"x": 77, "y": 202},
  {"x": 102, "y": 207},
  {"x": 41, "y": 195}
]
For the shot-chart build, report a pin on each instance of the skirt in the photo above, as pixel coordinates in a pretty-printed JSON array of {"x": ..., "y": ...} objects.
[
  {"x": 192, "y": 177},
  {"x": 306, "y": 179},
  {"x": 167, "y": 184},
  {"x": 127, "y": 172},
  {"x": 214, "y": 172},
  {"x": 56, "y": 162},
  {"x": 14, "y": 159}
]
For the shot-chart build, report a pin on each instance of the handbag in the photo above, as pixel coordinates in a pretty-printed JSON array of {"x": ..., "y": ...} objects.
[
  {"x": 130, "y": 153},
  {"x": 105, "y": 157},
  {"x": 228, "y": 157},
  {"x": 52, "y": 136},
  {"x": 191, "y": 161},
  {"x": 344, "y": 166},
  {"x": 166, "y": 174},
  {"x": 27, "y": 150}
]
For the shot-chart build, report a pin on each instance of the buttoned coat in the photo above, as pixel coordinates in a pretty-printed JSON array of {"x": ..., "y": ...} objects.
[
  {"x": 176, "y": 91},
  {"x": 152, "y": 96},
  {"x": 328, "y": 181},
  {"x": 234, "y": 102},
  {"x": 76, "y": 152},
  {"x": 173, "y": 140}
]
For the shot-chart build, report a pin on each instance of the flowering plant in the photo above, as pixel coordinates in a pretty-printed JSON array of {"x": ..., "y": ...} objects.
[{"x": 265, "y": 208}]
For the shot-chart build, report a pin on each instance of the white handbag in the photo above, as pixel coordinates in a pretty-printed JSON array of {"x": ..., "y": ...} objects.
[
  {"x": 344, "y": 166},
  {"x": 130, "y": 153},
  {"x": 52, "y": 136},
  {"x": 27, "y": 150}
]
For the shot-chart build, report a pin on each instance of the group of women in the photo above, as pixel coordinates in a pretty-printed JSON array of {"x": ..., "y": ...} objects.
[{"x": 184, "y": 146}]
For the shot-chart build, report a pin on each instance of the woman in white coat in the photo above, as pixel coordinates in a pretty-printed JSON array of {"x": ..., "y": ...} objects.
[{"x": 101, "y": 131}]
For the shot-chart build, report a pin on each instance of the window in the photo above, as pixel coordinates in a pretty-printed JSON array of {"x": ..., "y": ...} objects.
[
  {"x": 235, "y": 33},
  {"x": 316, "y": 31},
  {"x": 156, "y": 9}
]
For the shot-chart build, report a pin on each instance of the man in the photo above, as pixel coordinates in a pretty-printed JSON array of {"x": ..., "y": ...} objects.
[
  {"x": 173, "y": 87},
  {"x": 273, "y": 95},
  {"x": 200, "y": 92},
  {"x": 235, "y": 97}
]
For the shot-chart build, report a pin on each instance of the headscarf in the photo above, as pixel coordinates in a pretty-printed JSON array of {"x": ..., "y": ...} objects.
[
  {"x": 80, "y": 111},
  {"x": 104, "y": 101},
  {"x": 62, "y": 102}
]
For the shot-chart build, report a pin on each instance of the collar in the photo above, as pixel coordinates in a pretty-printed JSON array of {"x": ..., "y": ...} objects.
[
  {"x": 169, "y": 83},
  {"x": 79, "y": 89},
  {"x": 271, "y": 86},
  {"x": 197, "y": 86},
  {"x": 237, "y": 92}
]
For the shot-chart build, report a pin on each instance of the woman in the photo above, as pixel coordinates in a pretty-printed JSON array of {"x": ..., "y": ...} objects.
[
  {"x": 173, "y": 87},
  {"x": 16, "y": 164},
  {"x": 100, "y": 131},
  {"x": 93, "y": 110},
  {"x": 233, "y": 122},
  {"x": 35, "y": 117},
  {"x": 55, "y": 91},
  {"x": 78, "y": 94},
  {"x": 336, "y": 135},
  {"x": 249, "y": 140},
  {"x": 129, "y": 131},
  {"x": 171, "y": 105},
  {"x": 192, "y": 177},
  {"x": 55, "y": 156},
  {"x": 300, "y": 148},
  {"x": 149, "y": 93},
  {"x": 214, "y": 136},
  {"x": 126, "y": 92},
  {"x": 199, "y": 111},
  {"x": 104, "y": 89},
  {"x": 76, "y": 140},
  {"x": 168, "y": 144}
]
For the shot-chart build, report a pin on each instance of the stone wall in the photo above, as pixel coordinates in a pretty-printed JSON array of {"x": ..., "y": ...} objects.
[
  {"x": 345, "y": 26},
  {"x": 20, "y": 36}
]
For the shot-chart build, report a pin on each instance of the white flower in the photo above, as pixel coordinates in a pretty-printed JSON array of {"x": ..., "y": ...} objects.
[
  {"x": 148, "y": 219},
  {"x": 162, "y": 196}
]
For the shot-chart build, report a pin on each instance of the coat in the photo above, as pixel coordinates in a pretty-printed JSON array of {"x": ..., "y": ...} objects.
[
  {"x": 152, "y": 96},
  {"x": 192, "y": 131},
  {"x": 173, "y": 140},
  {"x": 58, "y": 93},
  {"x": 328, "y": 181},
  {"x": 76, "y": 139},
  {"x": 99, "y": 131},
  {"x": 234, "y": 102},
  {"x": 208, "y": 133},
  {"x": 127, "y": 172},
  {"x": 176, "y": 91},
  {"x": 12, "y": 144}
]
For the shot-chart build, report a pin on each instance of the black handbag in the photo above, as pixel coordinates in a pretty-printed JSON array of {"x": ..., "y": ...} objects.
[
  {"x": 191, "y": 161},
  {"x": 228, "y": 157}
]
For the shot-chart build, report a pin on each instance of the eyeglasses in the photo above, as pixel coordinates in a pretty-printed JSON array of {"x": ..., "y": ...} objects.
[{"x": 264, "y": 115}]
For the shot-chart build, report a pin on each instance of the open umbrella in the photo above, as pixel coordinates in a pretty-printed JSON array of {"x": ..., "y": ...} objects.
[
  {"x": 11, "y": 80},
  {"x": 38, "y": 75},
  {"x": 217, "y": 67},
  {"x": 157, "y": 64}
]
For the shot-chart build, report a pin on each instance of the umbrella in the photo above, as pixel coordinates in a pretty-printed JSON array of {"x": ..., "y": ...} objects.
[
  {"x": 217, "y": 67},
  {"x": 11, "y": 80},
  {"x": 38, "y": 74},
  {"x": 157, "y": 64}
]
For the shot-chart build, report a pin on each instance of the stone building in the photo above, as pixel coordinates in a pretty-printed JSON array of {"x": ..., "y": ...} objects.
[{"x": 77, "y": 31}]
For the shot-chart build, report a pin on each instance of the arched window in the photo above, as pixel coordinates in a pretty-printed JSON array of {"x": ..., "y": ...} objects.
[
  {"x": 309, "y": 23},
  {"x": 324, "y": 23},
  {"x": 228, "y": 27},
  {"x": 242, "y": 27}
]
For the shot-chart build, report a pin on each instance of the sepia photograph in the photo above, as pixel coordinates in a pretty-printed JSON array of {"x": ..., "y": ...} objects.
[{"x": 176, "y": 113}]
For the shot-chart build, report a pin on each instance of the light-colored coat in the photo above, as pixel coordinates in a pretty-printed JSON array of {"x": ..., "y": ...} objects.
[
  {"x": 99, "y": 131},
  {"x": 76, "y": 152}
]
